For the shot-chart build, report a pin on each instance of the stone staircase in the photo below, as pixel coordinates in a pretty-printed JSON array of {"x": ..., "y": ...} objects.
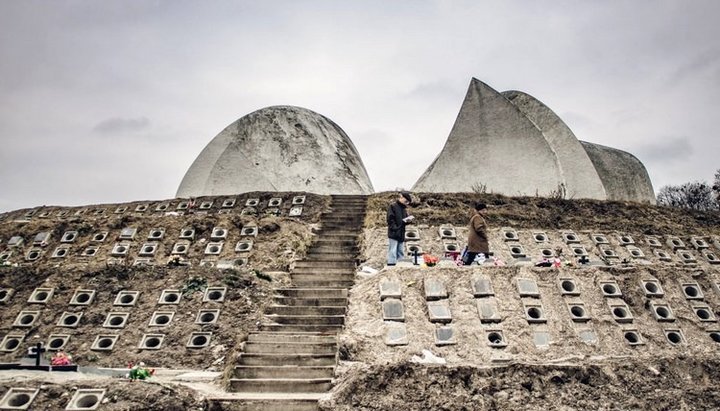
[{"x": 290, "y": 362}]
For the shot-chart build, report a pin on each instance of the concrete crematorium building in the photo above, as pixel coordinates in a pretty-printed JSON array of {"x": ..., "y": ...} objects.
[
  {"x": 513, "y": 144},
  {"x": 509, "y": 143}
]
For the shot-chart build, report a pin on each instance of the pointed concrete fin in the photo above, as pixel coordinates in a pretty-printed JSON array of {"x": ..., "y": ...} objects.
[
  {"x": 494, "y": 144},
  {"x": 578, "y": 172}
]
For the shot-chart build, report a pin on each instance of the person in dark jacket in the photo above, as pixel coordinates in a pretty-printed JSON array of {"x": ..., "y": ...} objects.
[
  {"x": 477, "y": 235},
  {"x": 397, "y": 217}
]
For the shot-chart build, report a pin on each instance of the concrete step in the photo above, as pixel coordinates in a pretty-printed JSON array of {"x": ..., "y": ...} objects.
[
  {"x": 330, "y": 256},
  {"x": 247, "y": 372},
  {"x": 286, "y": 359},
  {"x": 280, "y": 385},
  {"x": 332, "y": 242},
  {"x": 338, "y": 234},
  {"x": 341, "y": 264},
  {"x": 290, "y": 348},
  {"x": 253, "y": 402},
  {"x": 296, "y": 337},
  {"x": 346, "y": 276},
  {"x": 323, "y": 270},
  {"x": 307, "y": 319},
  {"x": 304, "y": 310},
  {"x": 330, "y": 329},
  {"x": 311, "y": 302},
  {"x": 303, "y": 292},
  {"x": 325, "y": 283}
]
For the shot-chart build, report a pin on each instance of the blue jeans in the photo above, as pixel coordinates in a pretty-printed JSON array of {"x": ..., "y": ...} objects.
[{"x": 395, "y": 251}]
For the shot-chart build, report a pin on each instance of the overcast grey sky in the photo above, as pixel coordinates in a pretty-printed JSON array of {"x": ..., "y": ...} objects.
[{"x": 111, "y": 101}]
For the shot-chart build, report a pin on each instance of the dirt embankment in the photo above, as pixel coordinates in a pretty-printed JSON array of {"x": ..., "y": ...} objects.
[
  {"x": 548, "y": 213},
  {"x": 662, "y": 384}
]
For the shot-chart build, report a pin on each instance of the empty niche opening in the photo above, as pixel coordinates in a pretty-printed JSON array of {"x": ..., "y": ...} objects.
[
  {"x": 156, "y": 234},
  {"x": 26, "y": 318},
  {"x": 652, "y": 288},
  {"x": 69, "y": 237},
  {"x": 577, "y": 311},
  {"x": 187, "y": 233},
  {"x": 451, "y": 247},
  {"x": 70, "y": 319},
  {"x": 86, "y": 399},
  {"x": 413, "y": 248},
  {"x": 600, "y": 239},
  {"x": 57, "y": 342},
  {"x": 162, "y": 207},
  {"x": 691, "y": 291},
  {"x": 609, "y": 253},
  {"x": 579, "y": 251},
  {"x": 620, "y": 312},
  {"x": 11, "y": 343},
  {"x": 33, "y": 255},
  {"x": 516, "y": 250},
  {"x": 653, "y": 242},
  {"x": 199, "y": 340},
  {"x": 99, "y": 237},
  {"x": 626, "y": 239},
  {"x": 243, "y": 246},
  {"x": 274, "y": 202},
  {"x": 636, "y": 253},
  {"x": 540, "y": 237},
  {"x": 703, "y": 313},
  {"x": 169, "y": 297},
  {"x": 495, "y": 338},
  {"x": 715, "y": 336},
  {"x": 41, "y": 295},
  {"x": 82, "y": 297},
  {"x": 104, "y": 342},
  {"x": 205, "y": 205},
  {"x": 18, "y": 398},
  {"x": 213, "y": 248},
  {"x": 161, "y": 318},
  {"x": 180, "y": 248},
  {"x": 570, "y": 237},
  {"x": 207, "y": 316},
  {"x": 447, "y": 233},
  {"x": 60, "y": 253},
  {"x": 674, "y": 337},
  {"x": 5, "y": 295},
  {"x": 662, "y": 312},
  {"x": 218, "y": 233},
  {"x": 141, "y": 208},
  {"x": 547, "y": 253},
  {"x": 215, "y": 294},
  {"x": 252, "y": 202},
  {"x": 534, "y": 313},
  {"x": 249, "y": 230},
  {"x": 127, "y": 298},
  {"x": 116, "y": 320},
  {"x": 229, "y": 202},
  {"x": 152, "y": 341},
  {"x": 662, "y": 254},
  {"x": 148, "y": 249},
  {"x": 632, "y": 337},
  {"x": 609, "y": 289}
]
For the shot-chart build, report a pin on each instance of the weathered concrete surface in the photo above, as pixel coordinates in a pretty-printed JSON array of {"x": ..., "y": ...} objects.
[
  {"x": 279, "y": 148},
  {"x": 622, "y": 174},
  {"x": 578, "y": 172},
  {"x": 513, "y": 144},
  {"x": 494, "y": 144}
]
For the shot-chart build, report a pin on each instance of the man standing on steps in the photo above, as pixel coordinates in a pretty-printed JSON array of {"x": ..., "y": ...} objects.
[{"x": 397, "y": 217}]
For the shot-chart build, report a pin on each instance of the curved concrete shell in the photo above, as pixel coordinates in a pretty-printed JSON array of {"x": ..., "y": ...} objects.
[
  {"x": 513, "y": 144},
  {"x": 492, "y": 143},
  {"x": 623, "y": 175},
  {"x": 577, "y": 171},
  {"x": 279, "y": 148}
]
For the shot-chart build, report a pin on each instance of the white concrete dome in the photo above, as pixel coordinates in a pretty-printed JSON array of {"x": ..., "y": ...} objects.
[{"x": 278, "y": 148}]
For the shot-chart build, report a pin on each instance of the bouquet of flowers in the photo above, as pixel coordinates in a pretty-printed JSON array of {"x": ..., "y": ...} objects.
[{"x": 430, "y": 260}]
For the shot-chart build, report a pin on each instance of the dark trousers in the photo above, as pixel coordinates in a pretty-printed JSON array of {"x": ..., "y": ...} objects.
[{"x": 469, "y": 257}]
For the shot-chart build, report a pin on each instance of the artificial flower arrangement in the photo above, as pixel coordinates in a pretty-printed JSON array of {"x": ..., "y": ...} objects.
[{"x": 430, "y": 260}]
